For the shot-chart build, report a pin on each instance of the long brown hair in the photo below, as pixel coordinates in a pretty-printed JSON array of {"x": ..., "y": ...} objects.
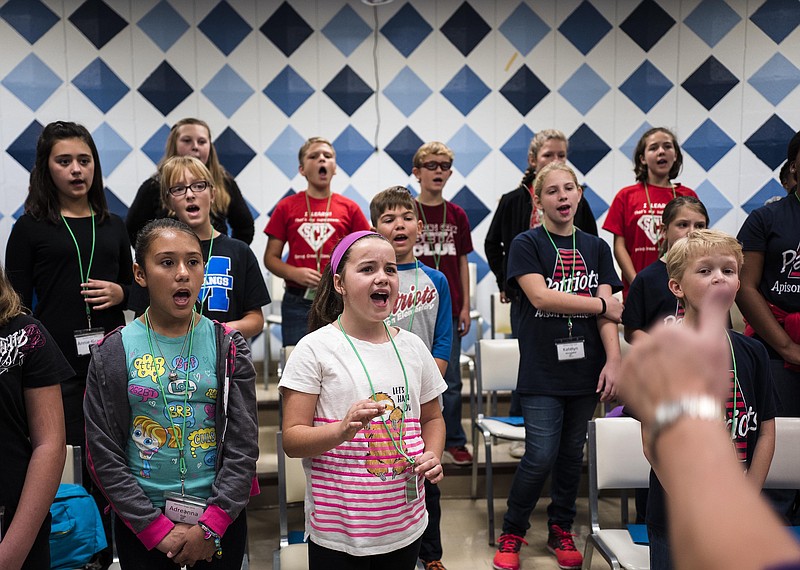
[
  {"x": 222, "y": 199},
  {"x": 10, "y": 302}
]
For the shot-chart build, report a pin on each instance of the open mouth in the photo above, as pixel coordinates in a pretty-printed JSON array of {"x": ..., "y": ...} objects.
[
  {"x": 182, "y": 297},
  {"x": 191, "y": 208},
  {"x": 380, "y": 297},
  {"x": 77, "y": 182},
  {"x": 438, "y": 179},
  {"x": 323, "y": 170},
  {"x": 400, "y": 238},
  {"x": 564, "y": 209}
]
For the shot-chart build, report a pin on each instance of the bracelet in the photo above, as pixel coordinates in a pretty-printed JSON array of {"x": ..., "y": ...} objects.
[
  {"x": 603, "y": 310},
  {"x": 701, "y": 407},
  {"x": 208, "y": 534}
]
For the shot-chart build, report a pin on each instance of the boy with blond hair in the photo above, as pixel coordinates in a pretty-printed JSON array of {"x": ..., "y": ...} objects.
[
  {"x": 422, "y": 307},
  {"x": 704, "y": 268},
  {"x": 444, "y": 243}
]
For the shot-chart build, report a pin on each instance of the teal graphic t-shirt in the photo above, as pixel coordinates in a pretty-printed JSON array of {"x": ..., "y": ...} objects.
[{"x": 164, "y": 413}]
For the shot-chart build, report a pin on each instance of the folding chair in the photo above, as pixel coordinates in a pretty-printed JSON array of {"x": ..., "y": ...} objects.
[
  {"x": 500, "y": 317},
  {"x": 273, "y": 319},
  {"x": 784, "y": 471},
  {"x": 291, "y": 489},
  {"x": 616, "y": 461},
  {"x": 73, "y": 466},
  {"x": 497, "y": 366}
]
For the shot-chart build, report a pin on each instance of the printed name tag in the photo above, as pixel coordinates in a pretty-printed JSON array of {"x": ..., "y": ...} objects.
[
  {"x": 570, "y": 348},
  {"x": 310, "y": 293},
  {"x": 84, "y": 338},
  {"x": 183, "y": 508}
]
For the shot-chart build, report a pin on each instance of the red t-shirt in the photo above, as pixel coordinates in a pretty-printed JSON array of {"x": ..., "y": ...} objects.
[
  {"x": 439, "y": 245},
  {"x": 318, "y": 236},
  {"x": 638, "y": 220}
]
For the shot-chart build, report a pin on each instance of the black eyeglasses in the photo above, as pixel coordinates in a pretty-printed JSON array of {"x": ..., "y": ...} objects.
[
  {"x": 196, "y": 187},
  {"x": 433, "y": 165}
]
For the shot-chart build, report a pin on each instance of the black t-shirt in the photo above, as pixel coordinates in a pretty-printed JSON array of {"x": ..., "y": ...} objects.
[
  {"x": 29, "y": 358},
  {"x": 42, "y": 264},
  {"x": 540, "y": 371},
  {"x": 234, "y": 280},
  {"x": 756, "y": 402},
  {"x": 649, "y": 299},
  {"x": 774, "y": 230}
]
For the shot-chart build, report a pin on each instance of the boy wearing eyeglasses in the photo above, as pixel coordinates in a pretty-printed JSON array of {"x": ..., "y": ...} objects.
[{"x": 443, "y": 244}]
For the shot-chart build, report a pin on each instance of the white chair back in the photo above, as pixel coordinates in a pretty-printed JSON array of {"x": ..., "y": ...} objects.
[
  {"x": 497, "y": 362},
  {"x": 473, "y": 283},
  {"x": 73, "y": 466},
  {"x": 784, "y": 471},
  {"x": 276, "y": 288},
  {"x": 621, "y": 463},
  {"x": 500, "y": 316}
]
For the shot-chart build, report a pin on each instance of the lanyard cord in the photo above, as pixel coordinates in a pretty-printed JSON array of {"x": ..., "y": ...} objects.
[
  {"x": 437, "y": 257},
  {"x": 84, "y": 277},
  {"x": 203, "y": 290},
  {"x": 735, "y": 385},
  {"x": 397, "y": 447},
  {"x": 178, "y": 440},
  {"x": 647, "y": 193},
  {"x": 564, "y": 271},
  {"x": 318, "y": 252}
]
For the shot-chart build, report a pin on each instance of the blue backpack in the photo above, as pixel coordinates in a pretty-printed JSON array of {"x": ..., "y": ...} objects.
[{"x": 76, "y": 533}]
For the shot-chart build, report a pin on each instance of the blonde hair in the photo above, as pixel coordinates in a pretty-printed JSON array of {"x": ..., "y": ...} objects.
[
  {"x": 222, "y": 200},
  {"x": 173, "y": 168},
  {"x": 538, "y": 184},
  {"x": 538, "y": 140},
  {"x": 10, "y": 302},
  {"x": 307, "y": 145},
  {"x": 697, "y": 243},
  {"x": 434, "y": 147}
]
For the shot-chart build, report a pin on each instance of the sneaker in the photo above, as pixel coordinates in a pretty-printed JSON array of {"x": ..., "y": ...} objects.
[
  {"x": 433, "y": 565},
  {"x": 458, "y": 455},
  {"x": 561, "y": 543},
  {"x": 507, "y": 555},
  {"x": 517, "y": 449}
]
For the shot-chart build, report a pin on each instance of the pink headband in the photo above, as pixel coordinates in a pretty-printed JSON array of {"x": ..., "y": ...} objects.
[{"x": 342, "y": 247}]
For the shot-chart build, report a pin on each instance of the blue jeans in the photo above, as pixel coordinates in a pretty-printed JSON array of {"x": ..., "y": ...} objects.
[
  {"x": 451, "y": 399},
  {"x": 660, "y": 557},
  {"x": 555, "y": 433},
  {"x": 294, "y": 318}
]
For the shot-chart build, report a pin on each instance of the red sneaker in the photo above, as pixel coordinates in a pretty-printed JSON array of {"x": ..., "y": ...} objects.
[
  {"x": 458, "y": 455},
  {"x": 507, "y": 555},
  {"x": 560, "y": 543}
]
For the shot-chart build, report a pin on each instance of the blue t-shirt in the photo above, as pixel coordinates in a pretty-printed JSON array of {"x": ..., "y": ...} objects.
[
  {"x": 756, "y": 402},
  {"x": 425, "y": 295},
  {"x": 585, "y": 268},
  {"x": 156, "y": 428},
  {"x": 650, "y": 301}
]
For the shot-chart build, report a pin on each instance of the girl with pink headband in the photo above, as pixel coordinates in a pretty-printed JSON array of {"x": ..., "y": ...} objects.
[{"x": 361, "y": 407}]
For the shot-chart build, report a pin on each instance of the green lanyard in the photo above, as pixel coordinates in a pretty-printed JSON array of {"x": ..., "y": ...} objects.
[
  {"x": 735, "y": 385},
  {"x": 84, "y": 276},
  {"x": 437, "y": 257},
  {"x": 205, "y": 272},
  {"x": 179, "y": 440},
  {"x": 564, "y": 271},
  {"x": 397, "y": 447}
]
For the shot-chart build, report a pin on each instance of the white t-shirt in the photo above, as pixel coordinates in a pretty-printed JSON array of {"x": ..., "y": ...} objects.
[{"x": 355, "y": 493}]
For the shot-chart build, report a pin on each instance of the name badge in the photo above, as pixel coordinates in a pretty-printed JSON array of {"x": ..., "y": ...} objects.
[
  {"x": 570, "y": 348},
  {"x": 183, "y": 508},
  {"x": 85, "y": 338},
  {"x": 412, "y": 491},
  {"x": 310, "y": 293}
]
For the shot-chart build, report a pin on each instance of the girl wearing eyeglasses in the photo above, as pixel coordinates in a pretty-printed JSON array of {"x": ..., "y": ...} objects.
[
  {"x": 311, "y": 222},
  {"x": 233, "y": 290},
  {"x": 192, "y": 137}
]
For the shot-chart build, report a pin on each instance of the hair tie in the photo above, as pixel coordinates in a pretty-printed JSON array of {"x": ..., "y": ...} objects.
[{"x": 345, "y": 243}]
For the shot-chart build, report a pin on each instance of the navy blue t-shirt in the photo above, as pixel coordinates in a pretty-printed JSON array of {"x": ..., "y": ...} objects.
[
  {"x": 756, "y": 401},
  {"x": 649, "y": 299},
  {"x": 540, "y": 371},
  {"x": 773, "y": 231}
]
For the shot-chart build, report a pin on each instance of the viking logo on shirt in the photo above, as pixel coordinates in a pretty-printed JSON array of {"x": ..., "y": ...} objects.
[
  {"x": 570, "y": 275},
  {"x": 316, "y": 233}
]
